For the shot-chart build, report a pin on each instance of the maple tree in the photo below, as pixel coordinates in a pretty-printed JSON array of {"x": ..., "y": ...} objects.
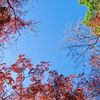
[
  {"x": 57, "y": 87},
  {"x": 11, "y": 21}
]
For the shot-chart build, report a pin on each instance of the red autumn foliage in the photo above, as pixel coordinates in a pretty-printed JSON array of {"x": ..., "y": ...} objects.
[
  {"x": 13, "y": 83},
  {"x": 11, "y": 21}
]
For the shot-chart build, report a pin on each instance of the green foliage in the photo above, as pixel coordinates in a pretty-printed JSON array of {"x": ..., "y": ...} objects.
[{"x": 93, "y": 9}]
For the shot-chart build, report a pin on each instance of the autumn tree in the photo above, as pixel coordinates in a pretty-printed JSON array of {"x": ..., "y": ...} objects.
[
  {"x": 57, "y": 86},
  {"x": 12, "y": 80},
  {"x": 11, "y": 20}
]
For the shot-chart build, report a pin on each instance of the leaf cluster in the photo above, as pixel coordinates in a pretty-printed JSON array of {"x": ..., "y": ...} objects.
[{"x": 93, "y": 9}]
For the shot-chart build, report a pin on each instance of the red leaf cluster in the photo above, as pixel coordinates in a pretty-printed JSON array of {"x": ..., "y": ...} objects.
[
  {"x": 11, "y": 21},
  {"x": 13, "y": 83}
]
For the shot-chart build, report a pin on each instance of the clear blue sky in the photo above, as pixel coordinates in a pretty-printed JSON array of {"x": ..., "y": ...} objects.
[{"x": 54, "y": 15}]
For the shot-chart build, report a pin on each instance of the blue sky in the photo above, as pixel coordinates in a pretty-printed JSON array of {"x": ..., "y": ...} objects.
[{"x": 54, "y": 15}]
